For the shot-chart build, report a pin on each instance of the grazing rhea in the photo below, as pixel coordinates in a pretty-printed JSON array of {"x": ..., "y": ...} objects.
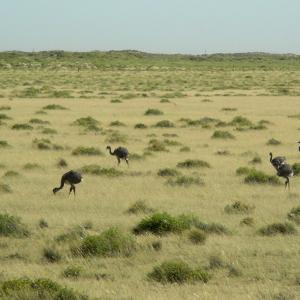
[
  {"x": 70, "y": 178},
  {"x": 285, "y": 171},
  {"x": 299, "y": 146},
  {"x": 120, "y": 153},
  {"x": 277, "y": 161}
]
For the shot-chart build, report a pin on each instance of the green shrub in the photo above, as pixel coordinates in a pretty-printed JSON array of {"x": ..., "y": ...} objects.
[
  {"x": 185, "y": 149},
  {"x": 171, "y": 142},
  {"x": 49, "y": 131},
  {"x": 22, "y": 126},
  {"x": 38, "y": 121},
  {"x": 273, "y": 142},
  {"x": 244, "y": 170},
  {"x": 278, "y": 228},
  {"x": 32, "y": 166},
  {"x": 197, "y": 236},
  {"x": 54, "y": 107},
  {"x": 86, "y": 122},
  {"x": 216, "y": 262},
  {"x": 239, "y": 207},
  {"x": 37, "y": 289},
  {"x": 43, "y": 223},
  {"x": 164, "y": 124},
  {"x": 5, "y": 107},
  {"x": 74, "y": 234},
  {"x": 296, "y": 168},
  {"x": 4, "y": 117},
  {"x": 60, "y": 94},
  {"x": 157, "y": 245},
  {"x": 140, "y": 126},
  {"x": 30, "y": 92},
  {"x": 185, "y": 181},
  {"x": 294, "y": 215},
  {"x": 259, "y": 177},
  {"x": 164, "y": 100},
  {"x": 72, "y": 272},
  {"x": 116, "y": 124},
  {"x": 116, "y": 137},
  {"x": 5, "y": 188},
  {"x": 97, "y": 170},
  {"x": 4, "y": 144},
  {"x": 193, "y": 163},
  {"x": 110, "y": 243},
  {"x": 61, "y": 163},
  {"x": 255, "y": 160},
  {"x": 219, "y": 134},
  {"x": 153, "y": 112},
  {"x": 139, "y": 207},
  {"x": 115, "y": 101},
  {"x": 162, "y": 223},
  {"x": 215, "y": 228},
  {"x": 156, "y": 146},
  {"x": 176, "y": 271},
  {"x": 168, "y": 172},
  {"x": 11, "y": 173},
  {"x": 240, "y": 121},
  {"x": 12, "y": 226},
  {"x": 247, "y": 221},
  {"x": 51, "y": 255},
  {"x": 88, "y": 151},
  {"x": 229, "y": 109}
]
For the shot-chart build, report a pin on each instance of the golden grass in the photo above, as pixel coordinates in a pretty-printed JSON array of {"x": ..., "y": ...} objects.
[{"x": 269, "y": 265}]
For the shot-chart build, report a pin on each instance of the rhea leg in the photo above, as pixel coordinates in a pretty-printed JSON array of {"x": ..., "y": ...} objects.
[
  {"x": 118, "y": 160},
  {"x": 126, "y": 159},
  {"x": 287, "y": 182},
  {"x": 72, "y": 188}
]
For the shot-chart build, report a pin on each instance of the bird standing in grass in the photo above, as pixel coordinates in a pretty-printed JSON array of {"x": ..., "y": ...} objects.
[
  {"x": 70, "y": 178},
  {"x": 120, "y": 153},
  {"x": 277, "y": 161},
  {"x": 285, "y": 171}
]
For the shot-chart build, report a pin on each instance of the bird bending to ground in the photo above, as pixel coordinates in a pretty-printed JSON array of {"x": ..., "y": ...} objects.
[
  {"x": 277, "y": 161},
  {"x": 120, "y": 153},
  {"x": 70, "y": 178},
  {"x": 285, "y": 171}
]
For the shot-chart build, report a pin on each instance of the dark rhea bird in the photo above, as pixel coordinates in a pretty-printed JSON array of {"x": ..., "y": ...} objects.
[
  {"x": 299, "y": 146},
  {"x": 277, "y": 161},
  {"x": 120, "y": 153},
  {"x": 285, "y": 171},
  {"x": 70, "y": 178}
]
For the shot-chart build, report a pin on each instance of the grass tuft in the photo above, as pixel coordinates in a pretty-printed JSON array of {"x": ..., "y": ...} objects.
[
  {"x": 219, "y": 134},
  {"x": 87, "y": 151},
  {"x": 12, "y": 226},
  {"x": 278, "y": 228},
  {"x": 239, "y": 207},
  {"x": 193, "y": 163}
]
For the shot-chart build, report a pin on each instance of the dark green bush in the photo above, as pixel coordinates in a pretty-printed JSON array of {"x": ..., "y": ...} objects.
[
  {"x": 153, "y": 112},
  {"x": 193, "y": 163},
  {"x": 247, "y": 221},
  {"x": 185, "y": 181},
  {"x": 244, "y": 170},
  {"x": 49, "y": 131},
  {"x": 156, "y": 146},
  {"x": 54, "y": 107},
  {"x": 185, "y": 149},
  {"x": 259, "y": 177},
  {"x": 116, "y": 137},
  {"x": 296, "y": 168},
  {"x": 86, "y": 122},
  {"x": 88, "y": 151},
  {"x": 12, "y": 226},
  {"x": 97, "y": 170},
  {"x": 109, "y": 243},
  {"x": 52, "y": 255},
  {"x": 5, "y": 188},
  {"x": 240, "y": 121},
  {"x": 32, "y": 166},
  {"x": 140, "y": 126},
  {"x": 139, "y": 207},
  {"x": 11, "y": 173},
  {"x": 197, "y": 236},
  {"x": 116, "y": 124},
  {"x": 4, "y": 144},
  {"x": 38, "y": 121},
  {"x": 176, "y": 271},
  {"x": 22, "y": 126},
  {"x": 168, "y": 172},
  {"x": 273, "y": 142},
  {"x": 229, "y": 109},
  {"x": 162, "y": 223},
  {"x": 219, "y": 134},
  {"x": 164, "y": 124},
  {"x": 4, "y": 117},
  {"x": 74, "y": 234},
  {"x": 278, "y": 228},
  {"x": 239, "y": 207},
  {"x": 72, "y": 272},
  {"x": 43, "y": 223},
  {"x": 37, "y": 289}
]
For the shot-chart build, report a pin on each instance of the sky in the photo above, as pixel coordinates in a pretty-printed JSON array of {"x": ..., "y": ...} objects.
[{"x": 158, "y": 26}]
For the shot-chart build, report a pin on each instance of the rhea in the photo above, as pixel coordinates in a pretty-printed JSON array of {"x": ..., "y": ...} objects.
[
  {"x": 71, "y": 178},
  {"x": 285, "y": 171},
  {"x": 120, "y": 153},
  {"x": 277, "y": 161}
]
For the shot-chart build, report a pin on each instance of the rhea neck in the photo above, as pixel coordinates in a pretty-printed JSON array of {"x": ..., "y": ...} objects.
[
  {"x": 62, "y": 183},
  {"x": 109, "y": 148},
  {"x": 271, "y": 156}
]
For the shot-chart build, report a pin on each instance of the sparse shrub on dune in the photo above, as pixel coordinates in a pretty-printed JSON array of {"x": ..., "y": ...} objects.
[
  {"x": 110, "y": 243},
  {"x": 164, "y": 124},
  {"x": 179, "y": 272},
  {"x": 294, "y": 215},
  {"x": 185, "y": 181},
  {"x": 72, "y": 272},
  {"x": 11, "y": 173},
  {"x": 52, "y": 255},
  {"x": 244, "y": 170},
  {"x": 98, "y": 170},
  {"x": 116, "y": 137},
  {"x": 37, "y": 289},
  {"x": 22, "y": 126},
  {"x": 168, "y": 172},
  {"x": 278, "y": 228},
  {"x": 240, "y": 121},
  {"x": 229, "y": 109},
  {"x": 87, "y": 151},
  {"x": 88, "y": 123},
  {"x": 45, "y": 144},
  {"x": 197, "y": 236},
  {"x": 248, "y": 221},
  {"x": 117, "y": 123},
  {"x": 4, "y": 117},
  {"x": 54, "y": 107},
  {"x": 61, "y": 163},
  {"x": 255, "y": 160},
  {"x": 32, "y": 166},
  {"x": 5, "y": 188},
  {"x": 239, "y": 207},
  {"x": 156, "y": 146},
  {"x": 12, "y": 226},
  {"x": 273, "y": 142},
  {"x": 4, "y": 144},
  {"x": 219, "y": 134},
  {"x": 185, "y": 149},
  {"x": 139, "y": 207},
  {"x": 140, "y": 126},
  {"x": 153, "y": 112},
  {"x": 259, "y": 177},
  {"x": 193, "y": 163},
  {"x": 49, "y": 131},
  {"x": 38, "y": 121},
  {"x": 41, "y": 112},
  {"x": 5, "y": 107}
]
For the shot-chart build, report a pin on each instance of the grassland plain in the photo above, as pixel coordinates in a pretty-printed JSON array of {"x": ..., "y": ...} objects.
[{"x": 243, "y": 264}]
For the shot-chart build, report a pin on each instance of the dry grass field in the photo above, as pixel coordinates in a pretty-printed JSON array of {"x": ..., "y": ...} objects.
[{"x": 219, "y": 217}]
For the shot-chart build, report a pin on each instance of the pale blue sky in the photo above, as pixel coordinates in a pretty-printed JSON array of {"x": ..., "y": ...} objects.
[{"x": 161, "y": 26}]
